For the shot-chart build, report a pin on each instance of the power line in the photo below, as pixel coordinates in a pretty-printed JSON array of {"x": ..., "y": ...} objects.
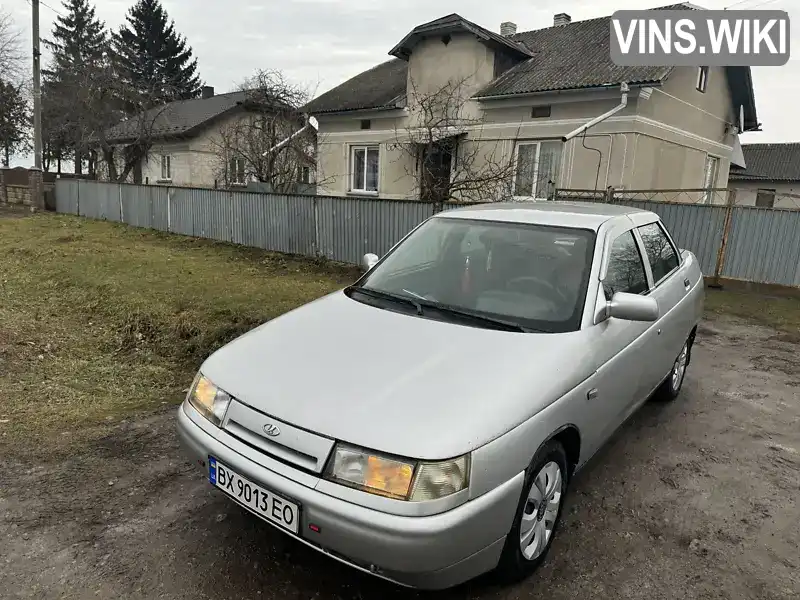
[{"x": 750, "y": 7}]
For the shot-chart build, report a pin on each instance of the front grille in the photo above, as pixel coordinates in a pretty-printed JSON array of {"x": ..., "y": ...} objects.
[{"x": 292, "y": 445}]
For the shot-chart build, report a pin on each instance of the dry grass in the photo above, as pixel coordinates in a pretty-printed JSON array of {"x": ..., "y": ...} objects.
[
  {"x": 101, "y": 321},
  {"x": 780, "y": 312}
]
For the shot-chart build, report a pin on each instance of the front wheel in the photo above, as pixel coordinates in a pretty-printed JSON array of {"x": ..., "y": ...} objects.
[{"x": 538, "y": 513}]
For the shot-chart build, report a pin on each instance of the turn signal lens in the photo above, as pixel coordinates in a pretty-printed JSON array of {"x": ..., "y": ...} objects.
[{"x": 440, "y": 479}]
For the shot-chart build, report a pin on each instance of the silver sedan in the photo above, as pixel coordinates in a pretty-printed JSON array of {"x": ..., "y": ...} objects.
[{"x": 424, "y": 424}]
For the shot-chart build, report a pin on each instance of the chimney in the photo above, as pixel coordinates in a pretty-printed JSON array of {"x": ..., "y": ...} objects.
[
  {"x": 207, "y": 92},
  {"x": 561, "y": 19},
  {"x": 508, "y": 28}
]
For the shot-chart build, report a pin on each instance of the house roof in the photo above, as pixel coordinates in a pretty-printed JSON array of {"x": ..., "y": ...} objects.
[
  {"x": 383, "y": 86},
  {"x": 567, "y": 57},
  {"x": 453, "y": 23},
  {"x": 176, "y": 119},
  {"x": 770, "y": 162}
]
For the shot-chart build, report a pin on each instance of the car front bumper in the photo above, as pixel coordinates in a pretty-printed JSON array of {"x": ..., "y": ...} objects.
[{"x": 432, "y": 552}]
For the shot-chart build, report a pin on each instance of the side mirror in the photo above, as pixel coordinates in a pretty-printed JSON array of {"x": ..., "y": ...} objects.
[
  {"x": 632, "y": 307},
  {"x": 369, "y": 261}
]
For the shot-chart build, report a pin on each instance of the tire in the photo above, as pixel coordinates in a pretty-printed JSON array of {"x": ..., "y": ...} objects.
[
  {"x": 516, "y": 564},
  {"x": 671, "y": 387}
]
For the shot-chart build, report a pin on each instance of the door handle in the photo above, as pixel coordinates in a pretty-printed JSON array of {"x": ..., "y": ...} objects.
[
  {"x": 687, "y": 284},
  {"x": 591, "y": 394}
]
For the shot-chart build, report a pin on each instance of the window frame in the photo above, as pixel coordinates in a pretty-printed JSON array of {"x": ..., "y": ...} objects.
[
  {"x": 702, "y": 79},
  {"x": 166, "y": 160},
  {"x": 233, "y": 171},
  {"x": 639, "y": 244},
  {"x": 538, "y": 144},
  {"x": 766, "y": 192},
  {"x": 366, "y": 148},
  {"x": 643, "y": 251}
]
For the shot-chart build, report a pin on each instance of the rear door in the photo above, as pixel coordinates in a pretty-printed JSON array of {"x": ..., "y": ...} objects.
[{"x": 668, "y": 284}]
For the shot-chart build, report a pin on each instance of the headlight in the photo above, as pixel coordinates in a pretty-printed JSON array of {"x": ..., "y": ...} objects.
[
  {"x": 397, "y": 478},
  {"x": 207, "y": 398}
]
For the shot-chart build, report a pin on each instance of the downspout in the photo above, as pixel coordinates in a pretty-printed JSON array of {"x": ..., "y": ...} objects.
[{"x": 623, "y": 103}]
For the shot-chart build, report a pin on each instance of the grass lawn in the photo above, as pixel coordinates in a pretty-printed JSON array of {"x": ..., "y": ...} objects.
[{"x": 99, "y": 321}]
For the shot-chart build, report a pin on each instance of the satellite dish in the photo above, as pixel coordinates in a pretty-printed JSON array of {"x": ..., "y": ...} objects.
[{"x": 314, "y": 123}]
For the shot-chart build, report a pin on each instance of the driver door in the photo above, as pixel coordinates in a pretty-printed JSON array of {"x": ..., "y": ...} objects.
[{"x": 620, "y": 345}]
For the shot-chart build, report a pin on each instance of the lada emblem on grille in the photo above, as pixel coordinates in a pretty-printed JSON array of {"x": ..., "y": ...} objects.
[{"x": 272, "y": 430}]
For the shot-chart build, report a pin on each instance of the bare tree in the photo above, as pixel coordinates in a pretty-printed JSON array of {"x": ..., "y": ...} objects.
[
  {"x": 12, "y": 57},
  {"x": 271, "y": 114},
  {"x": 109, "y": 121},
  {"x": 445, "y": 150}
]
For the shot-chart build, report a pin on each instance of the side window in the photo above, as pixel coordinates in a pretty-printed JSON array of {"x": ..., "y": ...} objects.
[
  {"x": 625, "y": 267},
  {"x": 660, "y": 253}
]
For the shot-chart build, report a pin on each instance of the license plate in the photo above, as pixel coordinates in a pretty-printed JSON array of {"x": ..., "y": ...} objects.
[{"x": 264, "y": 503}]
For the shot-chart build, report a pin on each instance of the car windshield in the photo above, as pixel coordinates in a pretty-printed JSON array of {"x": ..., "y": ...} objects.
[{"x": 534, "y": 276}]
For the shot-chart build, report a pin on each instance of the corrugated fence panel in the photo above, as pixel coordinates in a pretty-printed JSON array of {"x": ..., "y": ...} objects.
[
  {"x": 351, "y": 227},
  {"x": 181, "y": 211},
  {"x": 764, "y": 246},
  {"x": 67, "y": 196},
  {"x": 695, "y": 227}
]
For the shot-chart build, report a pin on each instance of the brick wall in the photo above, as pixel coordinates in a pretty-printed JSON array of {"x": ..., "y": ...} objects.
[{"x": 15, "y": 194}]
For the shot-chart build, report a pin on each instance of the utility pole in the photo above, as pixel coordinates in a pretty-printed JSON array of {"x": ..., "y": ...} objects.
[{"x": 36, "y": 186}]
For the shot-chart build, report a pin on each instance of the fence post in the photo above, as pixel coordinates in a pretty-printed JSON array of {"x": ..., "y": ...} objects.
[
  {"x": 121, "y": 213},
  {"x": 609, "y": 195},
  {"x": 726, "y": 230},
  {"x": 317, "y": 251}
]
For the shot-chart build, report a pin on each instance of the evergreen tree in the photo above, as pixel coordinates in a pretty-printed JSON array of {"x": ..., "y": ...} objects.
[
  {"x": 79, "y": 38},
  {"x": 78, "y": 45},
  {"x": 153, "y": 58},
  {"x": 14, "y": 120}
]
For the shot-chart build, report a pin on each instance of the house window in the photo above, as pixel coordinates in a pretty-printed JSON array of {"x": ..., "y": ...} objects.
[
  {"x": 765, "y": 198},
  {"x": 540, "y": 112},
  {"x": 364, "y": 169},
  {"x": 538, "y": 165},
  {"x": 236, "y": 171},
  {"x": 304, "y": 175},
  {"x": 702, "y": 79},
  {"x": 366, "y": 124},
  {"x": 710, "y": 179},
  {"x": 166, "y": 167}
]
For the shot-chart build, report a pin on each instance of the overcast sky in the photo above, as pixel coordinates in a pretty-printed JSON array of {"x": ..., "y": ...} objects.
[{"x": 322, "y": 43}]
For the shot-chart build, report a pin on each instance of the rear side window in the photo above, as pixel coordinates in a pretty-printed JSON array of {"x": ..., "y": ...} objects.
[
  {"x": 660, "y": 253},
  {"x": 625, "y": 268}
]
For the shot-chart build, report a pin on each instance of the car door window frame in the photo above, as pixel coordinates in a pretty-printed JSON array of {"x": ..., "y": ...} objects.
[
  {"x": 648, "y": 275},
  {"x": 643, "y": 250}
]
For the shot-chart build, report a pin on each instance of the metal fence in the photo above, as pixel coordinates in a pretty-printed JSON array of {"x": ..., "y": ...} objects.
[
  {"x": 341, "y": 229},
  {"x": 737, "y": 242},
  {"x": 749, "y": 243}
]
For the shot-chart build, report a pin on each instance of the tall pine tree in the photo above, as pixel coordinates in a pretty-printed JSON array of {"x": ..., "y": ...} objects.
[
  {"x": 79, "y": 38},
  {"x": 78, "y": 44},
  {"x": 153, "y": 58}
]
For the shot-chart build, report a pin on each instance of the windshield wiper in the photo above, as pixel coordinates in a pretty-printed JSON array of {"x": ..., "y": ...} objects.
[
  {"x": 384, "y": 296},
  {"x": 494, "y": 323}
]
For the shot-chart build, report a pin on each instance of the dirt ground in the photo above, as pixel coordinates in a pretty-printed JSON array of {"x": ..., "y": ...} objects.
[{"x": 695, "y": 499}]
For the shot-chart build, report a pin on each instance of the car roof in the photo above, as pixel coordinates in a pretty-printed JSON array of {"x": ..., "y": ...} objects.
[{"x": 583, "y": 215}]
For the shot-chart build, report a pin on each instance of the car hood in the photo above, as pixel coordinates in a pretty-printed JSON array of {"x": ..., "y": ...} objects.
[{"x": 393, "y": 382}]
